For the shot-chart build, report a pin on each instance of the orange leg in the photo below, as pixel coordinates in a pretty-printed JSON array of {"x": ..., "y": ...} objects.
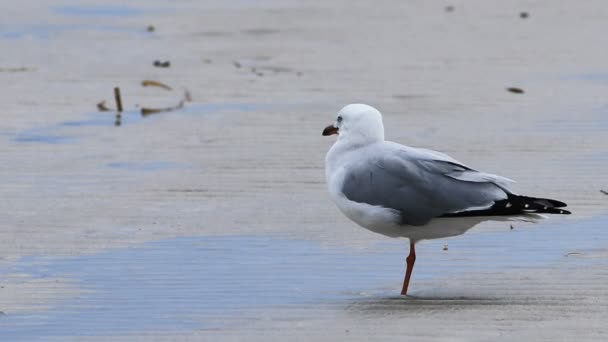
[{"x": 411, "y": 259}]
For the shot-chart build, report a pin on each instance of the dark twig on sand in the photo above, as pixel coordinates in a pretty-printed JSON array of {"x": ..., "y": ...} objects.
[
  {"x": 150, "y": 83},
  {"x": 147, "y": 111},
  {"x": 604, "y": 192},
  {"x": 101, "y": 106},
  {"x": 118, "y": 99},
  {"x": 515, "y": 90}
]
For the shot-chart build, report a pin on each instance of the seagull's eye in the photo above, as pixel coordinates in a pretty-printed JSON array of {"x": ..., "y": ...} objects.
[{"x": 339, "y": 119}]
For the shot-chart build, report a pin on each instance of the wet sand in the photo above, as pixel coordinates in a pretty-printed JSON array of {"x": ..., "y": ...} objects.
[{"x": 213, "y": 222}]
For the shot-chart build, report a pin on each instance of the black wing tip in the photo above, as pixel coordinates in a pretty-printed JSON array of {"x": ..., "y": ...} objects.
[
  {"x": 517, "y": 205},
  {"x": 536, "y": 205},
  {"x": 537, "y": 201},
  {"x": 556, "y": 211},
  {"x": 557, "y": 204}
]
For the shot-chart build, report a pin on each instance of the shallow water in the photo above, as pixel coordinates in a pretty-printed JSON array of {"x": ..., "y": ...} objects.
[{"x": 184, "y": 283}]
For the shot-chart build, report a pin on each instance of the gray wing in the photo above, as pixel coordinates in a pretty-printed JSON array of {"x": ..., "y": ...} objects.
[{"x": 421, "y": 185}]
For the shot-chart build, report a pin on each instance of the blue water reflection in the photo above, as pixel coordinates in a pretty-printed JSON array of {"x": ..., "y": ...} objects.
[
  {"x": 176, "y": 283},
  {"x": 191, "y": 282}
]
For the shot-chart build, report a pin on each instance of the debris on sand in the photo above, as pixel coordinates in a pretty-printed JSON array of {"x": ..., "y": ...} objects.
[
  {"x": 160, "y": 64},
  {"x": 449, "y": 8},
  {"x": 604, "y": 192},
  {"x": 515, "y": 90},
  {"x": 150, "y": 83},
  {"x": 207, "y": 61},
  {"x": 118, "y": 99},
  {"x": 573, "y": 254},
  {"x": 101, "y": 106},
  {"x": 524, "y": 15},
  {"x": 512, "y": 227},
  {"x": 445, "y": 247},
  {"x": 147, "y": 111},
  {"x": 237, "y": 64},
  {"x": 150, "y": 28}
]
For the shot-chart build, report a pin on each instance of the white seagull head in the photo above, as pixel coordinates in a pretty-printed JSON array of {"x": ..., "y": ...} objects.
[{"x": 357, "y": 124}]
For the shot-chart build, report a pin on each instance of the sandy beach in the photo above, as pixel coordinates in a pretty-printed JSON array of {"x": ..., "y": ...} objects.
[{"x": 213, "y": 222}]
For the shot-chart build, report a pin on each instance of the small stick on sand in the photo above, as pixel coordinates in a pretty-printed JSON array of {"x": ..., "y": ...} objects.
[
  {"x": 145, "y": 111},
  {"x": 150, "y": 83},
  {"x": 604, "y": 192},
  {"x": 101, "y": 106},
  {"x": 515, "y": 90},
  {"x": 118, "y": 99}
]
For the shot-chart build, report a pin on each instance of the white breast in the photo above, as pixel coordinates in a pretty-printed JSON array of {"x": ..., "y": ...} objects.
[{"x": 375, "y": 218}]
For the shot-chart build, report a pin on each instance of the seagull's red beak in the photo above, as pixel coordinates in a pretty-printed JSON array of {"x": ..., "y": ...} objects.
[{"x": 330, "y": 130}]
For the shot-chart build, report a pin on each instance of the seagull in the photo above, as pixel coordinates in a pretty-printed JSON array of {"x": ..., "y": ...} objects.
[{"x": 419, "y": 194}]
